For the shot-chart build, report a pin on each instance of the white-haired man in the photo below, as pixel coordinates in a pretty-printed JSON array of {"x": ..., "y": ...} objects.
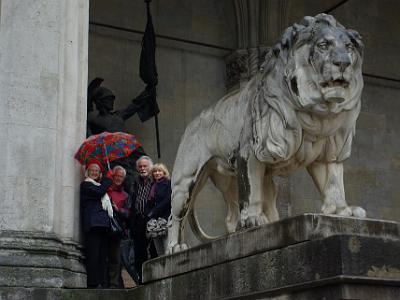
[
  {"x": 140, "y": 194},
  {"x": 120, "y": 201}
]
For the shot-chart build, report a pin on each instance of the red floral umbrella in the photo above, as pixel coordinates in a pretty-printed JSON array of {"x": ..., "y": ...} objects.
[{"x": 106, "y": 147}]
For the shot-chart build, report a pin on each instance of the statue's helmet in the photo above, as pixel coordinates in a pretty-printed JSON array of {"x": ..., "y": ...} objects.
[{"x": 102, "y": 93}]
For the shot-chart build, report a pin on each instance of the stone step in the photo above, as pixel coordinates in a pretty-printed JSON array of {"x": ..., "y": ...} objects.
[{"x": 306, "y": 257}]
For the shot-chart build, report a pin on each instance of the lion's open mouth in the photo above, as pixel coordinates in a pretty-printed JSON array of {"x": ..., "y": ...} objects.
[{"x": 335, "y": 83}]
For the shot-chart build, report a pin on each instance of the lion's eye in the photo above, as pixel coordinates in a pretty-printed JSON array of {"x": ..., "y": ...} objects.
[{"x": 323, "y": 45}]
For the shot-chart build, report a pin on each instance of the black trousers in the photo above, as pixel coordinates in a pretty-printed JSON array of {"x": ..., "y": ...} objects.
[
  {"x": 114, "y": 262},
  {"x": 144, "y": 248},
  {"x": 97, "y": 240}
]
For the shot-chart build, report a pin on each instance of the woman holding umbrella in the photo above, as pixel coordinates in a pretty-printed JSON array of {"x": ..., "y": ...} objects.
[
  {"x": 105, "y": 147},
  {"x": 96, "y": 212}
]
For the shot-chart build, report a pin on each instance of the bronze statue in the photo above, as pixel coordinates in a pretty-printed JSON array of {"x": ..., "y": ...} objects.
[{"x": 106, "y": 119}]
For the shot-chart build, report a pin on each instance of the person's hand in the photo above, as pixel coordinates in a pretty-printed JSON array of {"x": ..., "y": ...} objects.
[{"x": 110, "y": 174}]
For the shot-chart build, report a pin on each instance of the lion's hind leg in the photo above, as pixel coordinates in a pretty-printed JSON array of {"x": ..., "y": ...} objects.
[
  {"x": 227, "y": 185},
  {"x": 184, "y": 191},
  {"x": 180, "y": 196},
  {"x": 250, "y": 185}
]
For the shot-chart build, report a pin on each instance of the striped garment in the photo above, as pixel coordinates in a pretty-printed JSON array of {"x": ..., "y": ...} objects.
[{"x": 142, "y": 196}]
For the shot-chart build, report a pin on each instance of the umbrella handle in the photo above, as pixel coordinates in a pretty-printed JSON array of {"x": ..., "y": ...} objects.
[{"x": 108, "y": 162}]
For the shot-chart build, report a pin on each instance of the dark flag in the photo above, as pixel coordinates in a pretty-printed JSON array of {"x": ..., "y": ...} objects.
[{"x": 148, "y": 73}]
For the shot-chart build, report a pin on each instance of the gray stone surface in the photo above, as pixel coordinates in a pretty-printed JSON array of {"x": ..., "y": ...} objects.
[
  {"x": 301, "y": 266},
  {"x": 309, "y": 257},
  {"x": 299, "y": 229},
  {"x": 344, "y": 291},
  {"x": 305, "y": 257},
  {"x": 43, "y": 58},
  {"x": 33, "y": 259}
]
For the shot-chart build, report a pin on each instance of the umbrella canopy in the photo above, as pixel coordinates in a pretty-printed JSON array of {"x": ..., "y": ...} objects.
[{"x": 106, "y": 147}]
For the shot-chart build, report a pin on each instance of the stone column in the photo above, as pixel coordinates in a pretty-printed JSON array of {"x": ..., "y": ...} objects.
[{"x": 43, "y": 81}]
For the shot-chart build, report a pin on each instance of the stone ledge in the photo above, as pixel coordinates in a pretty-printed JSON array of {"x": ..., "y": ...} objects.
[
  {"x": 344, "y": 291},
  {"x": 308, "y": 257},
  {"x": 40, "y": 259},
  {"x": 335, "y": 260},
  {"x": 307, "y": 227}
]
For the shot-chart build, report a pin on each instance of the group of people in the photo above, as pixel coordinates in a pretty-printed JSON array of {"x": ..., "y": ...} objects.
[{"x": 143, "y": 208}]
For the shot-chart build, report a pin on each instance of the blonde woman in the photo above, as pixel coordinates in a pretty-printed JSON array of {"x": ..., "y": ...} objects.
[
  {"x": 158, "y": 206},
  {"x": 96, "y": 222},
  {"x": 159, "y": 202}
]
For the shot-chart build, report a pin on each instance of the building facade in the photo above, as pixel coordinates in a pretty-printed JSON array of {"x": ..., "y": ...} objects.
[{"x": 51, "y": 48}]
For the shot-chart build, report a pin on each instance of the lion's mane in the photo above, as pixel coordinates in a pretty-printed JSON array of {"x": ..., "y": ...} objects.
[{"x": 278, "y": 116}]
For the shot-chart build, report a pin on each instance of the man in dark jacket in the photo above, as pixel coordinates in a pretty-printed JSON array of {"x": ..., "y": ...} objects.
[{"x": 140, "y": 194}]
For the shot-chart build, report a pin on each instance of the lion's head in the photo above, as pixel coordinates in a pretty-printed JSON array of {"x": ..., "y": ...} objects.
[
  {"x": 311, "y": 80},
  {"x": 321, "y": 63}
]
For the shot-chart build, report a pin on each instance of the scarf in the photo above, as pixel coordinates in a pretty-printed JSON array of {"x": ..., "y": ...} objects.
[{"x": 105, "y": 200}]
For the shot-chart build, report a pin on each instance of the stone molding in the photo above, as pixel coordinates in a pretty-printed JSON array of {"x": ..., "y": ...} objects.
[
  {"x": 51, "y": 261},
  {"x": 259, "y": 23}
]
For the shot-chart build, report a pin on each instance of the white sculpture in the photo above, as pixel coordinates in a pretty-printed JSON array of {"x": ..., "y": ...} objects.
[{"x": 299, "y": 111}]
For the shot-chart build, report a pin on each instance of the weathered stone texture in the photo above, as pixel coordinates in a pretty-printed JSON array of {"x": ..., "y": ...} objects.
[
  {"x": 308, "y": 257},
  {"x": 31, "y": 259},
  {"x": 43, "y": 83}
]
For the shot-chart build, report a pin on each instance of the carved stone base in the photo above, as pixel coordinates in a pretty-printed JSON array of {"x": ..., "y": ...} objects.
[
  {"x": 38, "y": 259},
  {"x": 305, "y": 257}
]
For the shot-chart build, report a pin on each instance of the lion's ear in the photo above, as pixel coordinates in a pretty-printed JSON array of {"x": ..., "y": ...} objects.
[{"x": 355, "y": 38}]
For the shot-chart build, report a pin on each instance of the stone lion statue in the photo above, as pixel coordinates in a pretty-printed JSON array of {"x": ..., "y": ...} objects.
[{"x": 300, "y": 110}]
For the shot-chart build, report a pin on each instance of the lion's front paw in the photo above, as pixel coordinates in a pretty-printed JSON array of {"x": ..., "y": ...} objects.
[
  {"x": 358, "y": 212},
  {"x": 176, "y": 248},
  {"x": 332, "y": 209},
  {"x": 248, "y": 219},
  {"x": 346, "y": 211}
]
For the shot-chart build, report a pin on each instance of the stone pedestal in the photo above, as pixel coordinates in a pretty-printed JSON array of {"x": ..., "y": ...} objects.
[
  {"x": 43, "y": 82},
  {"x": 305, "y": 257},
  {"x": 308, "y": 257}
]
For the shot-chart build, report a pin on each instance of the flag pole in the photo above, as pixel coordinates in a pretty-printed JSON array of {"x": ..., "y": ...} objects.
[
  {"x": 155, "y": 116},
  {"x": 157, "y": 136}
]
